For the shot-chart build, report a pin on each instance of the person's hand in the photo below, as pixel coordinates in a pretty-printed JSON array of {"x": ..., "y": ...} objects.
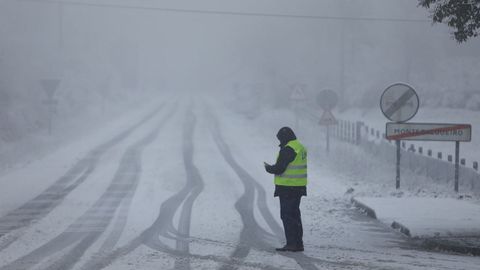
[{"x": 267, "y": 166}]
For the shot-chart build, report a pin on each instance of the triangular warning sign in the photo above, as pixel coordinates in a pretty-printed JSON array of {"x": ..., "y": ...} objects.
[
  {"x": 50, "y": 86},
  {"x": 297, "y": 94},
  {"x": 327, "y": 119}
]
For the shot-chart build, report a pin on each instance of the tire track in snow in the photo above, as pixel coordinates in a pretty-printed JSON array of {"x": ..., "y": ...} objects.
[
  {"x": 80, "y": 235},
  {"x": 252, "y": 234},
  {"x": 304, "y": 261},
  {"x": 196, "y": 186},
  {"x": 44, "y": 203},
  {"x": 163, "y": 225}
]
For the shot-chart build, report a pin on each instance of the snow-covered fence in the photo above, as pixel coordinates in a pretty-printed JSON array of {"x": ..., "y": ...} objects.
[{"x": 436, "y": 167}]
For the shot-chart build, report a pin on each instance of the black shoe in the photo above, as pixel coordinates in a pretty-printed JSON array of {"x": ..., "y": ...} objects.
[{"x": 290, "y": 248}]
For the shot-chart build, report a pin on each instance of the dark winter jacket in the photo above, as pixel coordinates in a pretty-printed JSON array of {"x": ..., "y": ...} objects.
[{"x": 286, "y": 155}]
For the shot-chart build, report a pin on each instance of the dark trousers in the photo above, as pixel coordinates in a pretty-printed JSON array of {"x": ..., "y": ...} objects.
[{"x": 292, "y": 218}]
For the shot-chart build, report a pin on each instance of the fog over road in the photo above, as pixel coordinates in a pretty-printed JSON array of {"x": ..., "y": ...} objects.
[{"x": 188, "y": 192}]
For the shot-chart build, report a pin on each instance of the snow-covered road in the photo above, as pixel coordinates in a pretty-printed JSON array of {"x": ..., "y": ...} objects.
[{"x": 183, "y": 187}]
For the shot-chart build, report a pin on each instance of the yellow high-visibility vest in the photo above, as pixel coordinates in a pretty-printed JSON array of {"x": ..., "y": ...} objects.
[{"x": 296, "y": 173}]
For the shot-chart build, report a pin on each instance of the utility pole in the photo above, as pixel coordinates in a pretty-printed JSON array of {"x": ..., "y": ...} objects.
[
  {"x": 60, "y": 7},
  {"x": 342, "y": 61}
]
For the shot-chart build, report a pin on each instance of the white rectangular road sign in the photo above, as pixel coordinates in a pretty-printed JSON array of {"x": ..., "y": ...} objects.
[{"x": 429, "y": 132}]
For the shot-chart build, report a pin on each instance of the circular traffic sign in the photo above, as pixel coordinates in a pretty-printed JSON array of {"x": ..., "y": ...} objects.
[
  {"x": 399, "y": 102},
  {"x": 327, "y": 99}
]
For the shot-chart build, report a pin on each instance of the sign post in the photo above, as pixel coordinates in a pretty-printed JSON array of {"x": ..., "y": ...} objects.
[
  {"x": 327, "y": 100},
  {"x": 432, "y": 132},
  {"x": 397, "y": 178},
  {"x": 457, "y": 166},
  {"x": 328, "y": 120},
  {"x": 297, "y": 95},
  {"x": 50, "y": 87},
  {"x": 399, "y": 103}
]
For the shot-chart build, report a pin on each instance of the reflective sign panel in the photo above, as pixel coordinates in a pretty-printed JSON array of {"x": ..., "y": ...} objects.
[{"x": 429, "y": 132}]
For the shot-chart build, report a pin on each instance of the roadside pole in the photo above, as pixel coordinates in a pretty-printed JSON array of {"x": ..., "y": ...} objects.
[
  {"x": 433, "y": 132},
  {"x": 327, "y": 119},
  {"x": 328, "y": 139},
  {"x": 399, "y": 103},
  {"x": 397, "y": 181},
  {"x": 297, "y": 96},
  {"x": 457, "y": 166},
  {"x": 327, "y": 100}
]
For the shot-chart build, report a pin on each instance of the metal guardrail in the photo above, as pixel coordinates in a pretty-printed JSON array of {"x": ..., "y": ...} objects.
[{"x": 437, "y": 167}]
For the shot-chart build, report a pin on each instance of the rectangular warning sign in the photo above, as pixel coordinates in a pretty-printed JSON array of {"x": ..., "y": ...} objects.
[{"x": 429, "y": 132}]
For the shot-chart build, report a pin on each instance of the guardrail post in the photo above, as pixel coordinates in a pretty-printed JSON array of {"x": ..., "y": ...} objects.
[
  {"x": 429, "y": 152},
  {"x": 462, "y": 161},
  {"x": 475, "y": 167},
  {"x": 403, "y": 145},
  {"x": 439, "y": 155},
  {"x": 340, "y": 130},
  {"x": 449, "y": 158},
  {"x": 358, "y": 139},
  {"x": 378, "y": 134},
  {"x": 347, "y": 136},
  {"x": 412, "y": 148},
  {"x": 354, "y": 132},
  {"x": 420, "y": 150},
  {"x": 335, "y": 129}
]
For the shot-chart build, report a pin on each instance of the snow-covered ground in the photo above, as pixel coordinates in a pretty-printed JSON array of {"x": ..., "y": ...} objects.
[
  {"x": 427, "y": 217},
  {"x": 185, "y": 188}
]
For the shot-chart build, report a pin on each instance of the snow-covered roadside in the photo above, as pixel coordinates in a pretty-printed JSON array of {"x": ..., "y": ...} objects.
[
  {"x": 468, "y": 150},
  {"x": 423, "y": 207},
  {"x": 39, "y": 173},
  {"x": 427, "y": 217},
  {"x": 333, "y": 228},
  {"x": 45, "y": 234},
  {"x": 80, "y": 199},
  {"x": 372, "y": 176},
  {"x": 17, "y": 154}
]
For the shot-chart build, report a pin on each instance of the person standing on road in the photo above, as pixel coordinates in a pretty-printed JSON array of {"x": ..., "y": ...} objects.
[{"x": 290, "y": 172}]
